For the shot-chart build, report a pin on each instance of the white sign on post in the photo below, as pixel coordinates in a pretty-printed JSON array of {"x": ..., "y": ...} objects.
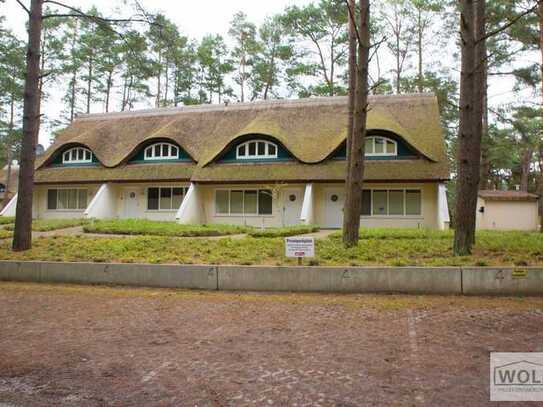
[{"x": 300, "y": 247}]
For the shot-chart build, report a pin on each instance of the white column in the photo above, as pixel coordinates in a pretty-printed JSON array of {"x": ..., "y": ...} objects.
[
  {"x": 103, "y": 205},
  {"x": 443, "y": 218},
  {"x": 306, "y": 216},
  {"x": 11, "y": 207},
  {"x": 190, "y": 210}
]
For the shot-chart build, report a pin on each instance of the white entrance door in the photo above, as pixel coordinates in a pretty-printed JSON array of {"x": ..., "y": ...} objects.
[
  {"x": 131, "y": 204},
  {"x": 292, "y": 206},
  {"x": 335, "y": 199}
]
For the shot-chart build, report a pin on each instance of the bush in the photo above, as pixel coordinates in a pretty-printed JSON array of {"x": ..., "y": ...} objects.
[
  {"x": 284, "y": 231},
  {"x": 46, "y": 225},
  {"x": 159, "y": 228}
]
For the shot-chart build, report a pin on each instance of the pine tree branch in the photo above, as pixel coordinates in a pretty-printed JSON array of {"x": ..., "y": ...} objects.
[
  {"x": 23, "y": 6},
  {"x": 509, "y": 24}
]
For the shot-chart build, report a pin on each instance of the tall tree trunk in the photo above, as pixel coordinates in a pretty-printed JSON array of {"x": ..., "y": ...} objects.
[
  {"x": 166, "y": 85},
  {"x": 540, "y": 14},
  {"x": 355, "y": 162},
  {"x": 73, "y": 94},
  {"x": 22, "y": 236},
  {"x": 89, "y": 84},
  {"x": 159, "y": 76},
  {"x": 109, "y": 84},
  {"x": 9, "y": 151},
  {"x": 525, "y": 162},
  {"x": 419, "y": 46},
  {"x": 471, "y": 109}
]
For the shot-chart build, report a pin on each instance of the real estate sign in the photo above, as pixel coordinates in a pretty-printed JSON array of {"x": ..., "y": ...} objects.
[{"x": 300, "y": 247}]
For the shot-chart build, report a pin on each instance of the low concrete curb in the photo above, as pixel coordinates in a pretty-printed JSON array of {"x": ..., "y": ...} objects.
[
  {"x": 413, "y": 280},
  {"x": 502, "y": 281},
  {"x": 145, "y": 275},
  {"x": 341, "y": 279}
]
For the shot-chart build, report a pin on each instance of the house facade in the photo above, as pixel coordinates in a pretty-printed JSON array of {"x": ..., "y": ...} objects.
[{"x": 265, "y": 164}]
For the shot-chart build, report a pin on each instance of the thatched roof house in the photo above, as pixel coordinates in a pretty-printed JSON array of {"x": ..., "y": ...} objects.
[{"x": 292, "y": 143}]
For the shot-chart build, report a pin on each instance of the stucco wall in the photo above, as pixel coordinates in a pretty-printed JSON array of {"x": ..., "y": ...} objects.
[
  {"x": 427, "y": 219},
  {"x": 276, "y": 219},
  {"x": 40, "y": 210},
  {"x": 118, "y": 190},
  {"x": 507, "y": 215}
]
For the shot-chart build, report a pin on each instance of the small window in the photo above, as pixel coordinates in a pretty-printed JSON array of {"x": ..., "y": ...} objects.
[
  {"x": 366, "y": 202},
  {"x": 265, "y": 202},
  {"x": 412, "y": 202},
  {"x": 236, "y": 201},
  {"x": 161, "y": 151},
  {"x": 395, "y": 202},
  {"x": 380, "y": 146},
  {"x": 222, "y": 202},
  {"x": 250, "y": 202},
  {"x": 243, "y": 202},
  {"x": 165, "y": 198},
  {"x": 77, "y": 155},
  {"x": 67, "y": 199},
  {"x": 257, "y": 149},
  {"x": 380, "y": 202},
  {"x": 152, "y": 199}
]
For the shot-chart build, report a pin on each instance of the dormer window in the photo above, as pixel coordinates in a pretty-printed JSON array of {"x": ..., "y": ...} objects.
[
  {"x": 77, "y": 155},
  {"x": 381, "y": 146},
  {"x": 256, "y": 150},
  {"x": 161, "y": 151}
]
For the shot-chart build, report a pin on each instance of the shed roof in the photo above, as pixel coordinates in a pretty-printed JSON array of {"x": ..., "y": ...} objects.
[{"x": 494, "y": 195}]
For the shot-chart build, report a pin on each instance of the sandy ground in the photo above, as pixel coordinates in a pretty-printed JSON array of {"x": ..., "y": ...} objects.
[{"x": 98, "y": 346}]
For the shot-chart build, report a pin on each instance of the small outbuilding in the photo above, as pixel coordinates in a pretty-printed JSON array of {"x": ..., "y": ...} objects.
[{"x": 507, "y": 210}]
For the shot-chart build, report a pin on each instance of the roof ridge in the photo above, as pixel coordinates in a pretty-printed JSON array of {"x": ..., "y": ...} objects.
[{"x": 261, "y": 104}]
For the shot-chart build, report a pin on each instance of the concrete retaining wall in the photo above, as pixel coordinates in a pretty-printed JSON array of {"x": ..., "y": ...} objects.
[
  {"x": 341, "y": 279},
  {"x": 414, "y": 280},
  {"x": 197, "y": 277},
  {"x": 502, "y": 281}
]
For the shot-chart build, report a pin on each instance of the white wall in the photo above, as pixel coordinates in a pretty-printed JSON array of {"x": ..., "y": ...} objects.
[
  {"x": 308, "y": 215},
  {"x": 103, "y": 204},
  {"x": 191, "y": 210},
  {"x": 40, "y": 200},
  {"x": 276, "y": 219},
  {"x": 507, "y": 215},
  {"x": 427, "y": 219}
]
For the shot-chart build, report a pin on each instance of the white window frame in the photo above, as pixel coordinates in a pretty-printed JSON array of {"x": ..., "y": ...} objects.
[
  {"x": 257, "y": 156},
  {"x": 385, "y": 141},
  {"x": 185, "y": 190},
  {"x": 404, "y": 190},
  {"x": 243, "y": 214},
  {"x": 69, "y": 153},
  {"x": 58, "y": 195},
  {"x": 153, "y": 156}
]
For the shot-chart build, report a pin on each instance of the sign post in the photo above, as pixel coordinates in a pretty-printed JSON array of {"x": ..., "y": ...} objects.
[{"x": 300, "y": 247}]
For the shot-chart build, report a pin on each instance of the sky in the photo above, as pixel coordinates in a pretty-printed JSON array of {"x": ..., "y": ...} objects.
[{"x": 195, "y": 19}]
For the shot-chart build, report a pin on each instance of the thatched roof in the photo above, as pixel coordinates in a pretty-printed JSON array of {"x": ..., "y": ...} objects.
[
  {"x": 311, "y": 129},
  {"x": 492, "y": 195}
]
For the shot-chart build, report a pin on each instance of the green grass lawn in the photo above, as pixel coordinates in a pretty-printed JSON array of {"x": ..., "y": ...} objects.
[
  {"x": 284, "y": 231},
  {"x": 413, "y": 248},
  {"x": 154, "y": 228},
  {"x": 5, "y": 220},
  {"x": 46, "y": 225},
  {"x": 4, "y": 234}
]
